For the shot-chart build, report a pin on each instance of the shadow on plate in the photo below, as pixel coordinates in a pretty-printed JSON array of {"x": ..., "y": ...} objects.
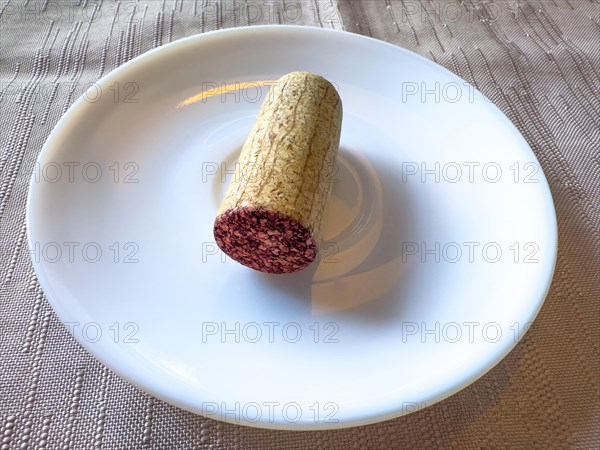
[{"x": 359, "y": 271}]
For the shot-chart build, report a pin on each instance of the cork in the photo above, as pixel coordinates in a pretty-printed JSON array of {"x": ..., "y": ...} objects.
[{"x": 272, "y": 214}]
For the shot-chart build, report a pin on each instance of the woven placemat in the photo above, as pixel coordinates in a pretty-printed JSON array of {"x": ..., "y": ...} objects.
[{"x": 539, "y": 61}]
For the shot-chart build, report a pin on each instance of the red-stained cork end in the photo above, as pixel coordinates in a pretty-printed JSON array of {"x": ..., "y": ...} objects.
[
  {"x": 265, "y": 240},
  {"x": 271, "y": 218}
]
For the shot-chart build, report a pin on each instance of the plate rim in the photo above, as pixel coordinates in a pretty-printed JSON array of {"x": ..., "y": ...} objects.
[{"x": 79, "y": 106}]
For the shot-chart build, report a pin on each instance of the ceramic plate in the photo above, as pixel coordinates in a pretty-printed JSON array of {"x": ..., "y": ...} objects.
[{"x": 439, "y": 245}]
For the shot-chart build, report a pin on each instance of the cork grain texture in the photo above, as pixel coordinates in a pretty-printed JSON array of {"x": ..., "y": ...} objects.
[{"x": 272, "y": 214}]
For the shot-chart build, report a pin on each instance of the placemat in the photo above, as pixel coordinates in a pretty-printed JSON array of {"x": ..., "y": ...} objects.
[{"x": 539, "y": 61}]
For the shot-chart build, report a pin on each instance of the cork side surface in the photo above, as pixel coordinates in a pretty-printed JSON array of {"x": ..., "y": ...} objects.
[
  {"x": 283, "y": 177},
  {"x": 287, "y": 162}
]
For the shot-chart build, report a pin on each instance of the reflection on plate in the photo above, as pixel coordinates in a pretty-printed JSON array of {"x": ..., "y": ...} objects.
[{"x": 440, "y": 236}]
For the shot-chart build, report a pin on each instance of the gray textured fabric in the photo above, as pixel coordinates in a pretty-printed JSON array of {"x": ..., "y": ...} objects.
[{"x": 539, "y": 61}]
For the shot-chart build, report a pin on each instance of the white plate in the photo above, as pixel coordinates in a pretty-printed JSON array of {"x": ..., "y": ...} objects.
[{"x": 440, "y": 235}]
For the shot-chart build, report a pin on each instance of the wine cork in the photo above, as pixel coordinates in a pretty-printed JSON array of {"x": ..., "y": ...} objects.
[{"x": 272, "y": 214}]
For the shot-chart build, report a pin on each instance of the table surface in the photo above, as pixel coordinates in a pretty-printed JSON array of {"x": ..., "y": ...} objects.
[{"x": 538, "y": 60}]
